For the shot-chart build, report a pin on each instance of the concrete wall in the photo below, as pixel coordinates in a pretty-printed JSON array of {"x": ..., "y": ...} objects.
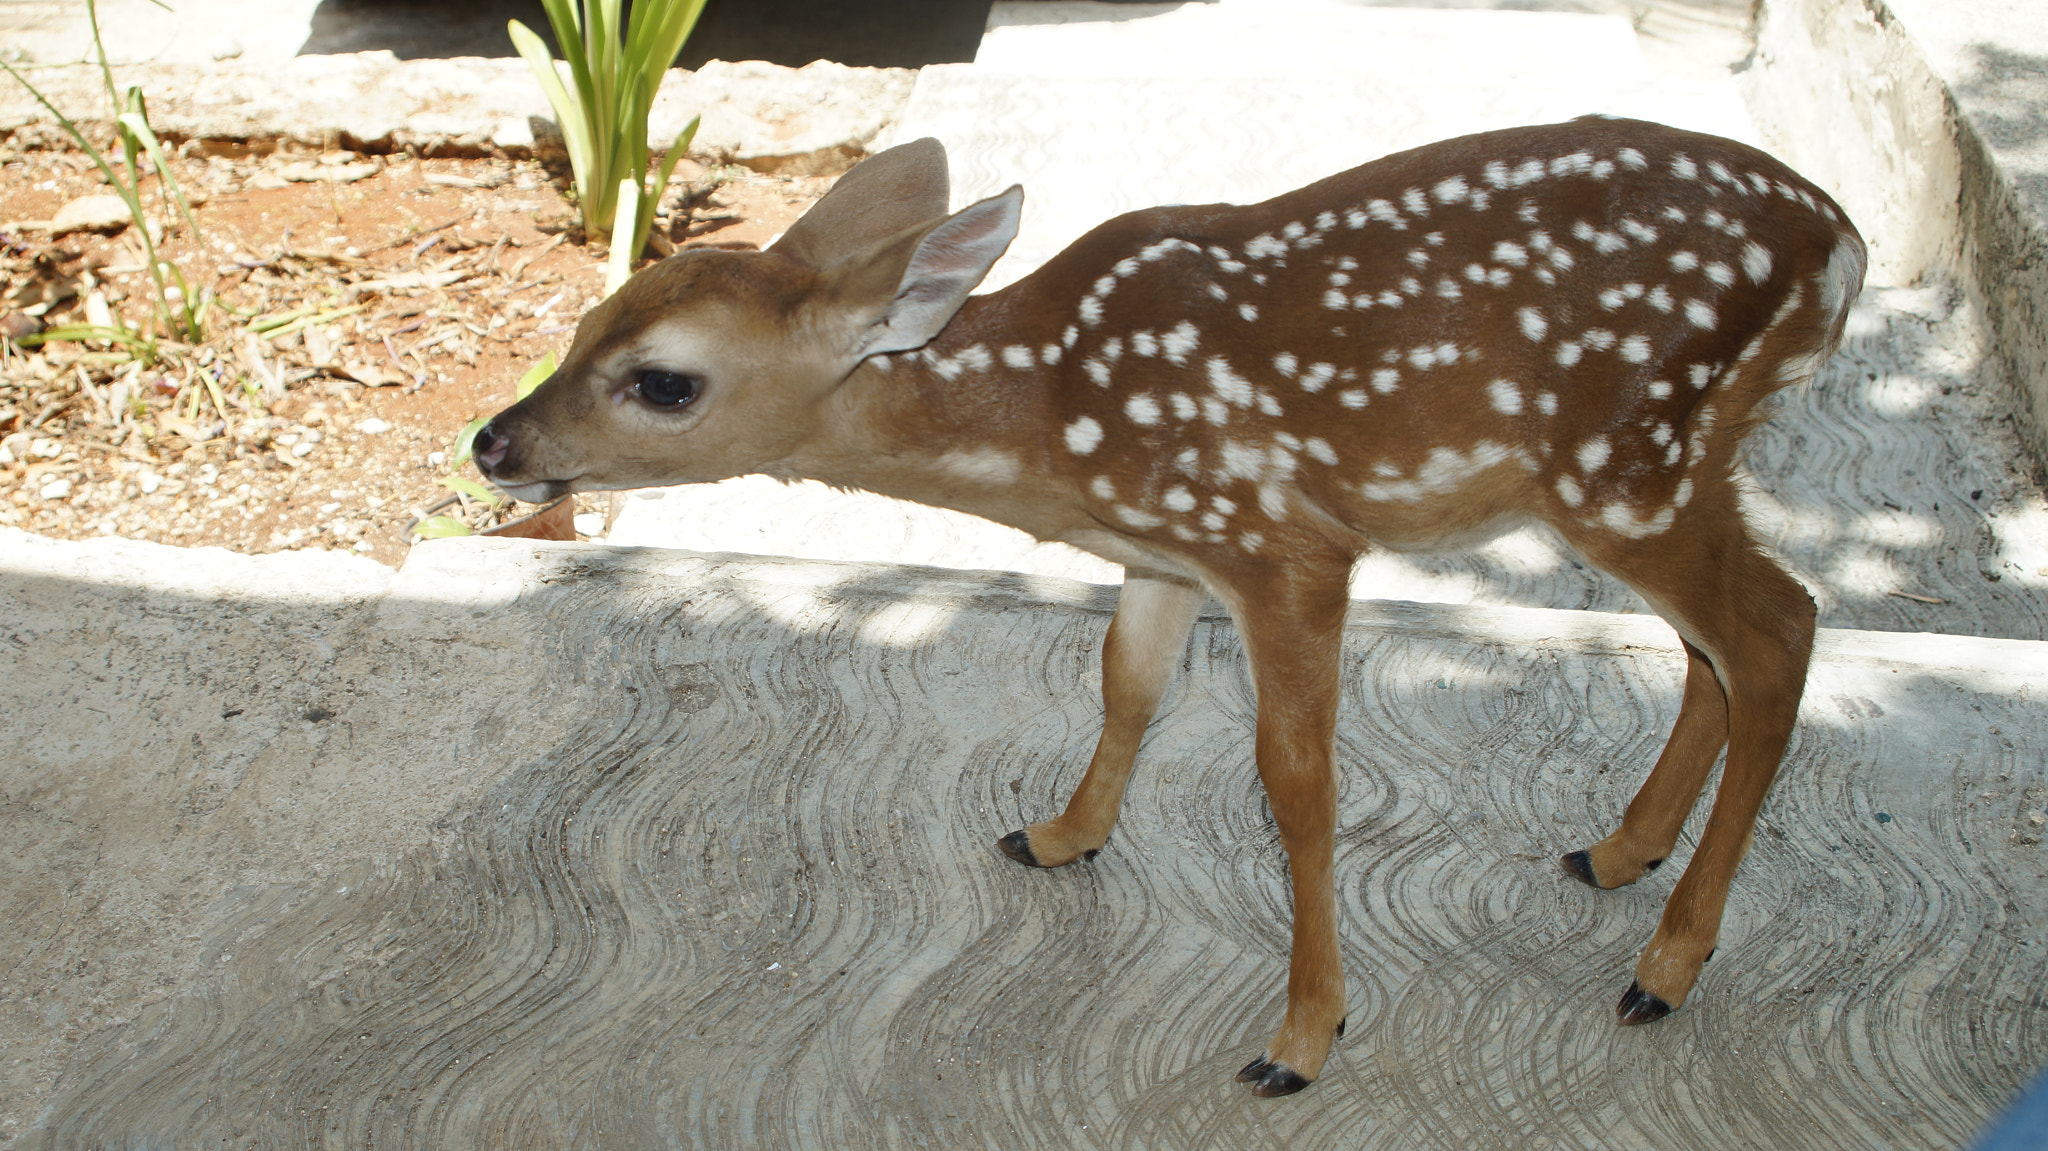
[{"x": 1847, "y": 92}]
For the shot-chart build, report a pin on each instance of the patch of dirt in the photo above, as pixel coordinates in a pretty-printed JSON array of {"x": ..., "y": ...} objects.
[{"x": 365, "y": 309}]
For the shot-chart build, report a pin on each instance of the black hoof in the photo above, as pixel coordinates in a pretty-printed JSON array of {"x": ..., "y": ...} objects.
[
  {"x": 1017, "y": 845},
  {"x": 1579, "y": 866},
  {"x": 1271, "y": 1079},
  {"x": 1653, "y": 865},
  {"x": 1639, "y": 1006},
  {"x": 1340, "y": 1026}
]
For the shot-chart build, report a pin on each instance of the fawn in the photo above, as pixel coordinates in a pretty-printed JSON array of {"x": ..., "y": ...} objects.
[{"x": 1572, "y": 324}]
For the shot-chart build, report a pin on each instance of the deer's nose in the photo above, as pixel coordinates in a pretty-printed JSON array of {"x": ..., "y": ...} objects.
[{"x": 490, "y": 446}]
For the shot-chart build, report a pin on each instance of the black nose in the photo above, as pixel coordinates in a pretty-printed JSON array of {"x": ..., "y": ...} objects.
[{"x": 490, "y": 446}]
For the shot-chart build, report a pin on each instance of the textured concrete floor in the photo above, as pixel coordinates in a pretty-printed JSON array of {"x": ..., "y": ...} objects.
[{"x": 412, "y": 862}]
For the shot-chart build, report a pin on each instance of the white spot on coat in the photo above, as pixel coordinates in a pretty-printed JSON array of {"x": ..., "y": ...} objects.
[
  {"x": 1143, "y": 409},
  {"x": 1506, "y": 396},
  {"x": 1592, "y": 455},
  {"x": 1137, "y": 518},
  {"x": 1018, "y": 356},
  {"x": 1083, "y": 435},
  {"x": 1233, "y": 388},
  {"x": 1756, "y": 262},
  {"x": 1265, "y": 245},
  {"x": 1533, "y": 324}
]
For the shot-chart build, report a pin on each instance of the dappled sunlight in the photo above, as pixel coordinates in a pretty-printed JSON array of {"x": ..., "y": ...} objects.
[{"x": 1896, "y": 528}]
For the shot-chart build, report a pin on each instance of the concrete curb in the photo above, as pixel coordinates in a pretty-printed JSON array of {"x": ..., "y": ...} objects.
[
  {"x": 800, "y": 121},
  {"x": 1848, "y": 93}
]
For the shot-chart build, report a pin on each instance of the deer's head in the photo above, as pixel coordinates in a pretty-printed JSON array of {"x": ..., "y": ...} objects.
[{"x": 712, "y": 364}]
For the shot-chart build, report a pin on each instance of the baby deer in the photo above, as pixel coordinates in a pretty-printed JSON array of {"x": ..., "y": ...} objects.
[{"x": 1573, "y": 324}]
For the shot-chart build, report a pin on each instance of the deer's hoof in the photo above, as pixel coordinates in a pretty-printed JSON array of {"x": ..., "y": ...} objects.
[
  {"x": 1017, "y": 845},
  {"x": 1639, "y": 1006},
  {"x": 1271, "y": 1079},
  {"x": 1579, "y": 865}
]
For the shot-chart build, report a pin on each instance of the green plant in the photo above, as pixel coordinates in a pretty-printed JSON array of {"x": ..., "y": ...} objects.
[
  {"x": 603, "y": 113},
  {"x": 462, "y": 451},
  {"x": 186, "y": 319}
]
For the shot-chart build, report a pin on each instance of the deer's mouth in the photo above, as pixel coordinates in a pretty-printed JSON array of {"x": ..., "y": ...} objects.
[{"x": 535, "y": 491}]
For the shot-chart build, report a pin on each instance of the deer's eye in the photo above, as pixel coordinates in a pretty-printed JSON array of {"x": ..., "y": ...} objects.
[{"x": 666, "y": 389}]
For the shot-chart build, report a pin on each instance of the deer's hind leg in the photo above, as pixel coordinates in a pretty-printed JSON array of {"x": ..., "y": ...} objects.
[
  {"x": 1154, "y": 614},
  {"x": 1650, "y": 827},
  {"x": 1752, "y": 625}
]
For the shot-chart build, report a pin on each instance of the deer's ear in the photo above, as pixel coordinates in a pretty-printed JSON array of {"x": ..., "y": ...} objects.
[
  {"x": 882, "y": 196},
  {"x": 900, "y": 294}
]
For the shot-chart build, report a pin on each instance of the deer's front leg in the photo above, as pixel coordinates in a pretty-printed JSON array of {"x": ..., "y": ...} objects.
[
  {"x": 1295, "y": 638},
  {"x": 1154, "y": 613}
]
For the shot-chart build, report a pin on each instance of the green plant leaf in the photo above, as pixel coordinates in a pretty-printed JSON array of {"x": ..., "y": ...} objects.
[
  {"x": 618, "y": 265},
  {"x": 465, "y": 442},
  {"x": 571, "y": 112},
  {"x": 474, "y": 490},
  {"x": 659, "y": 185},
  {"x": 616, "y": 67},
  {"x": 535, "y": 376},
  {"x": 440, "y": 527}
]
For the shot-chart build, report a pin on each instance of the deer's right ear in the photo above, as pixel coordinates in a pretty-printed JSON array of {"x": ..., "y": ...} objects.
[
  {"x": 904, "y": 291},
  {"x": 883, "y": 195}
]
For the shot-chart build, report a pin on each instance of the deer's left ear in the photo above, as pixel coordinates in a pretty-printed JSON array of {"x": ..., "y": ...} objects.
[
  {"x": 904, "y": 187},
  {"x": 902, "y": 292}
]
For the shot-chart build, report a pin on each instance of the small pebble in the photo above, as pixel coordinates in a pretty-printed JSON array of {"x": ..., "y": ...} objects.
[
  {"x": 302, "y": 449},
  {"x": 436, "y": 459},
  {"x": 373, "y": 426},
  {"x": 56, "y": 490},
  {"x": 149, "y": 482},
  {"x": 365, "y": 546},
  {"x": 1884, "y": 817}
]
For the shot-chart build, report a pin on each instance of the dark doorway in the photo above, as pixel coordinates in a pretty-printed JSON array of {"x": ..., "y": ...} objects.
[{"x": 874, "y": 33}]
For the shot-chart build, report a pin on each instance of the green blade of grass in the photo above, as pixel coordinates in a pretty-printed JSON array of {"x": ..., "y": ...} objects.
[
  {"x": 535, "y": 376},
  {"x": 474, "y": 490},
  {"x": 137, "y": 124},
  {"x": 440, "y": 527}
]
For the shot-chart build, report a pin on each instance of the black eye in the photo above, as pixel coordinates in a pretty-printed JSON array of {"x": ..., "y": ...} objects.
[{"x": 666, "y": 389}]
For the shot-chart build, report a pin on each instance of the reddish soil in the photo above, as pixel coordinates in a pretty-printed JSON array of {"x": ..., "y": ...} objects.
[{"x": 447, "y": 278}]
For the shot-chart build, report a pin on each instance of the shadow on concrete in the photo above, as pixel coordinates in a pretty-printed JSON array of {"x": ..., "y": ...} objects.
[
  {"x": 720, "y": 874},
  {"x": 888, "y": 34}
]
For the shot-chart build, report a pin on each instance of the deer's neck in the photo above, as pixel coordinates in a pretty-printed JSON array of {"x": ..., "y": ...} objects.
[{"x": 958, "y": 422}]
